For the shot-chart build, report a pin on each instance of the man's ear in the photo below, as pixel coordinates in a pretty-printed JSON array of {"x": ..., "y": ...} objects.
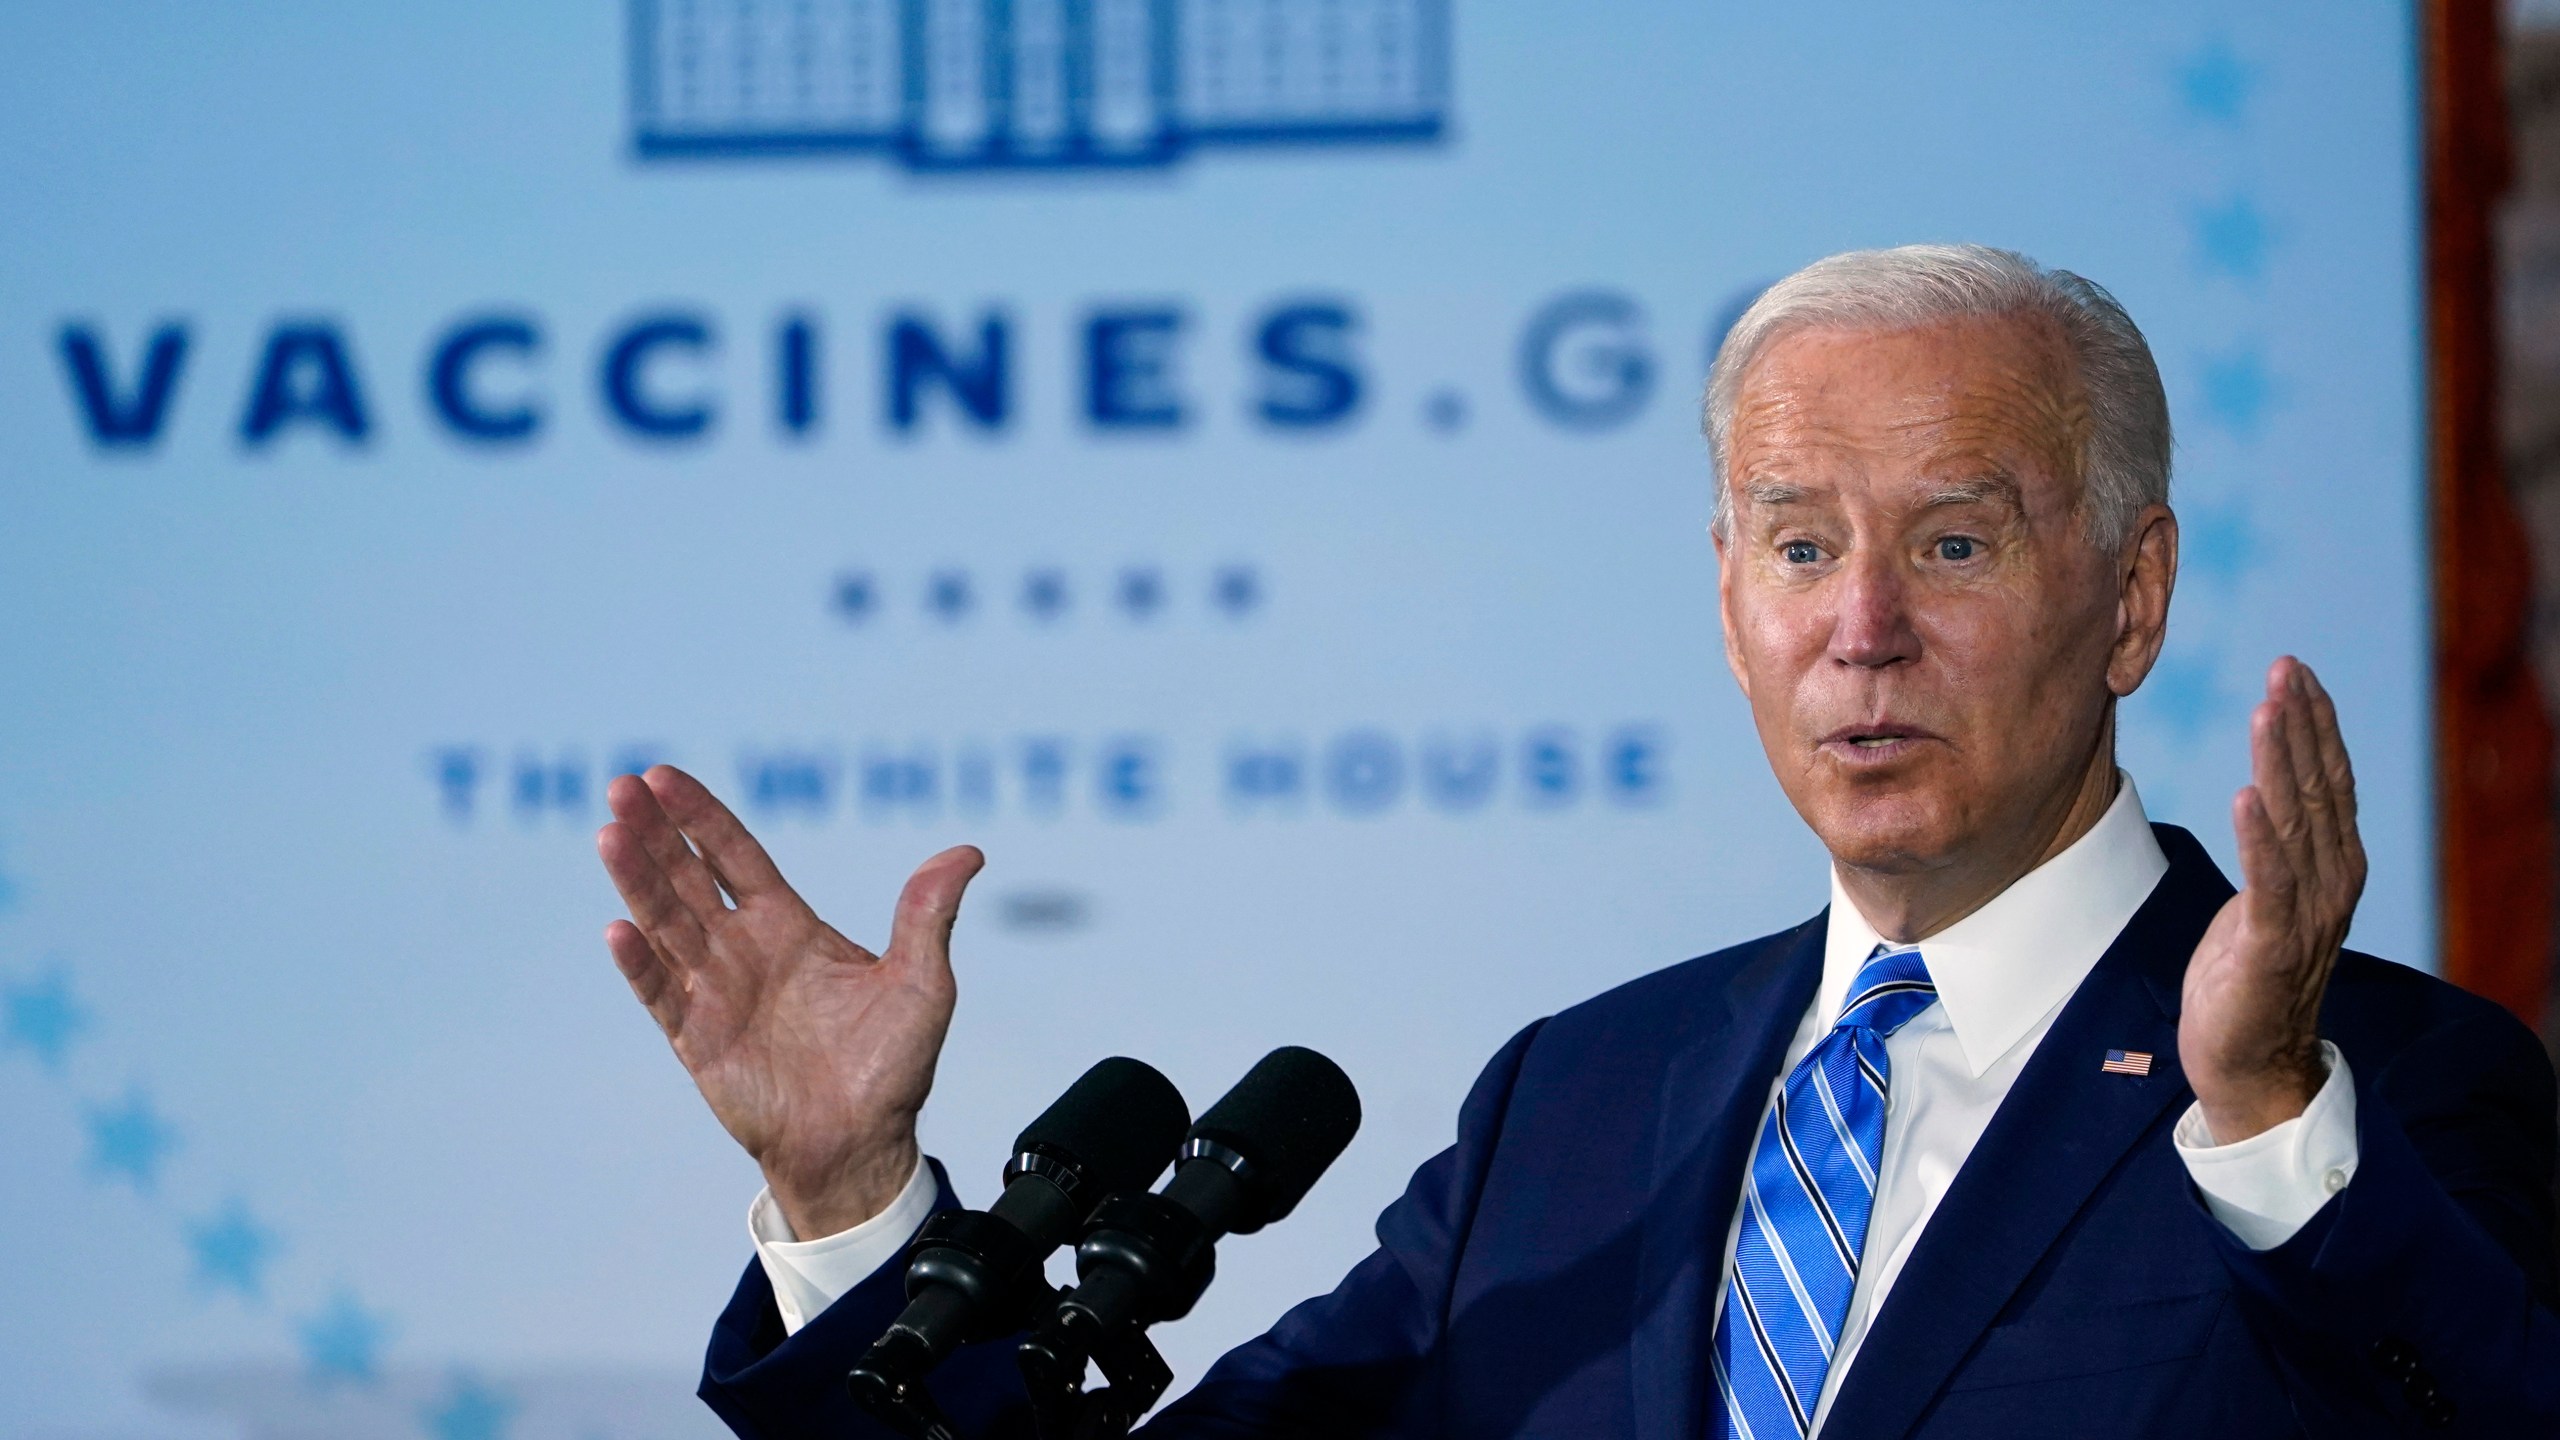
[
  {"x": 1724, "y": 607},
  {"x": 2148, "y": 575}
]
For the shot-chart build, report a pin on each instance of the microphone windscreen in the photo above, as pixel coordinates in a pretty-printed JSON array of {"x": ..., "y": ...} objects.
[
  {"x": 1121, "y": 1121},
  {"x": 1290, "y": 1115}
]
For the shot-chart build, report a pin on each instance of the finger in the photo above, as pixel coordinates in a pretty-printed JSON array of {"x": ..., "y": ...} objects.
[
  {"x": 634, "y": 805},
  {"x": 650, "y": 978},
  {"x": 2334, "y": 763},
  {"x": 2288, "y": 973},
  {"x": 2319, "y": 843},
  {"x": 929, "y": 906},
  {"x": 740, "y": 864},
  {"x": 2267, "y": 874},
  {"x": 2270, "y": 769},
  {"x": 2341, "y": 775},
  {"x": 2301, "y": 746},
  {"x": 662, "y": 915}
]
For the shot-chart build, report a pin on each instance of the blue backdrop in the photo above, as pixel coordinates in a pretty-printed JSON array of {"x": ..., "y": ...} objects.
[{"x": 1235, "y": 460}]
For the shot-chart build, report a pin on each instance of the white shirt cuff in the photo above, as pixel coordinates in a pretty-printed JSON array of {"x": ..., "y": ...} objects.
[
  {"x": 809, "y": 1275},
  {"x": 2267, "y": 1187}
]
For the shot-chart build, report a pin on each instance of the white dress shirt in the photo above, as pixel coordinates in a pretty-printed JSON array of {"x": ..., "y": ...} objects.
[
  {"x": 808, "y": 1275},
  {"x": 2003, "y": 973}
]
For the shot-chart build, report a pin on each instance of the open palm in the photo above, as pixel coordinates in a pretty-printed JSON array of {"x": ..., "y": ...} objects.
[
  {"x": 2249, "y": 1022},
  {"x": 815, "y": 1053}
]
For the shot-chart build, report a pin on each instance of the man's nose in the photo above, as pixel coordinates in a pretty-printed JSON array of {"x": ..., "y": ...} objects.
[{"x": 1872, "y": 627}]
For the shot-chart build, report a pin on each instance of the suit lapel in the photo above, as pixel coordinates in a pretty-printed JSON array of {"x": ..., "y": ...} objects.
[
  {"x": 2063, "y": 1129},
  {"x": 1712, "y": 1093}
]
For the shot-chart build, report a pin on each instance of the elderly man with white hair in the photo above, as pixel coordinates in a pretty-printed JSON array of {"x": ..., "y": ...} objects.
[{"x": 2039, "y": 1128}]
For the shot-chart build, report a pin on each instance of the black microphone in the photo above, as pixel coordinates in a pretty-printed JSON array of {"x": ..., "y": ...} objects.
[
  {"x": 973, "y": 1274},
  {"x": 1147, "y": 1258},
  {"x": 1270, "y": 1138}
]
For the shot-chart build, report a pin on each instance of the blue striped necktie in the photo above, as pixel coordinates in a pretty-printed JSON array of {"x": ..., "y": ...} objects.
[{"x": 1804, "y": 1210}]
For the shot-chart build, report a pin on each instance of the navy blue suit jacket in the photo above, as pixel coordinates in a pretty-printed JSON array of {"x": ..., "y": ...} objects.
[{"x": 1552, "y": 1273}]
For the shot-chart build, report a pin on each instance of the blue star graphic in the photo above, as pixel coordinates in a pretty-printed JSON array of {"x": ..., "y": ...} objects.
[
  {"x": 457, "y": 772},
  {"x": 232, "y": 1251},
  {"x": 1044, "y": 593},
  {"x": 853, "y": 598},
  {"x": 634, "y": 760},
  {"x": 948, "y": 595},
  {"x": 2216, "y": 84},
  {"x": 343, "y": 1342},
  {"x": 2232, "y": 239},
  {"x": 42, "y": 1016},
  {"x": 2221, "y": 541},
  {"x": 130, "y": 1140},
  {"x": 2186, "y": 692},
  {"x": 1236, "y": 589},
  {"x": 1141, "y": 591},
  {"x": 468, "y": 1411},
  {"x": 2238, "y": 390}
]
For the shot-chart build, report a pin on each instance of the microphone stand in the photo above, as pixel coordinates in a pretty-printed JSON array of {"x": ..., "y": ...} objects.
[
  {"x": 962, "y": 1249},
  {"x": 1143, "y": 1259},
  {"x": 1138, "y": 1377}
]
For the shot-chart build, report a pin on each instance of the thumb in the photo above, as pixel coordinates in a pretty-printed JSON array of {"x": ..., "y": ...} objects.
[{"x": 921, "y": 933}]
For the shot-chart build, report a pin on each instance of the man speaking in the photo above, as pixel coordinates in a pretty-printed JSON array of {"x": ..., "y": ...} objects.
[{"x": 2038, "y": 1129}]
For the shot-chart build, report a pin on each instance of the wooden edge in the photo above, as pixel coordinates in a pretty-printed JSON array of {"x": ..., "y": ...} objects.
[{"x": 2494, "y": 798}]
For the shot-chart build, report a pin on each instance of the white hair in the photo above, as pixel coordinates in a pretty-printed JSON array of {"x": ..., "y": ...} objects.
[{"x": 2123, "y": 455}]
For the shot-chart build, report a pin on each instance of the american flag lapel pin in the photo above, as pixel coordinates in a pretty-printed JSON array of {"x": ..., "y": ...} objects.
[{"x": 2126, "y": 1062}]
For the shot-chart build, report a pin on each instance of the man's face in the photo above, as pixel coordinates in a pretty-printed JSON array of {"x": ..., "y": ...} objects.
[{"x": 1927, "y": 637}]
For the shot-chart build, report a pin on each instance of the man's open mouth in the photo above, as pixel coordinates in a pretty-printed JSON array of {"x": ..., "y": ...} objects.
[{"x": 1873, "y": 739}]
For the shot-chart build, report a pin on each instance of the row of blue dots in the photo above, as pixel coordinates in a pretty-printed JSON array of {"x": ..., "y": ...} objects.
[{"x": 1047, "y": 593}]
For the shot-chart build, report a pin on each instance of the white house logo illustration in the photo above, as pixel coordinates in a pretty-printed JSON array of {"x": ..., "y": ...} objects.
[{"x": 1032, "y": 84}]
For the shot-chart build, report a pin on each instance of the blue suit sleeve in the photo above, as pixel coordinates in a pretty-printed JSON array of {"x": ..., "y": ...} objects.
[
  {"x": 771, "y": 1386},
  {"x": 2419, "y": 1300},
  {"x": 1358, "y": 1361}
]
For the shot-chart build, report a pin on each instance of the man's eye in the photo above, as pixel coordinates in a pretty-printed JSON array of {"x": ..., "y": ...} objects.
[
  {"x": 1800, "y": 552},
  {"x": 1956, "y": 547}
]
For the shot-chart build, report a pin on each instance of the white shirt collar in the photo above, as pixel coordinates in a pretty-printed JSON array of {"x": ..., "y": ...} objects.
[{"x": 2005, "y": 966}]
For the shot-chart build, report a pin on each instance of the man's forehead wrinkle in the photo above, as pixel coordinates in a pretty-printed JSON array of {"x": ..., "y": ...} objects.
[
  {"x": 1779, "y": 416},
  {"x": 2041, "y": 400},
  {"x": 1936, "y": 409},
  {"x": 1940, "y": 411},
  {"x": 2022, "y": 365},
  {"x": 1996, "y": 409},
  {"x": 1964, "y": 447},
  {"x": 1788, "y": 445}
]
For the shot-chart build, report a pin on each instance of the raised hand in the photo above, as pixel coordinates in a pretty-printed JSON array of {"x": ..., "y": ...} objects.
[
  {"x": 814, "y": 1052},
  {"x": 2248, "y": 1034}
]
